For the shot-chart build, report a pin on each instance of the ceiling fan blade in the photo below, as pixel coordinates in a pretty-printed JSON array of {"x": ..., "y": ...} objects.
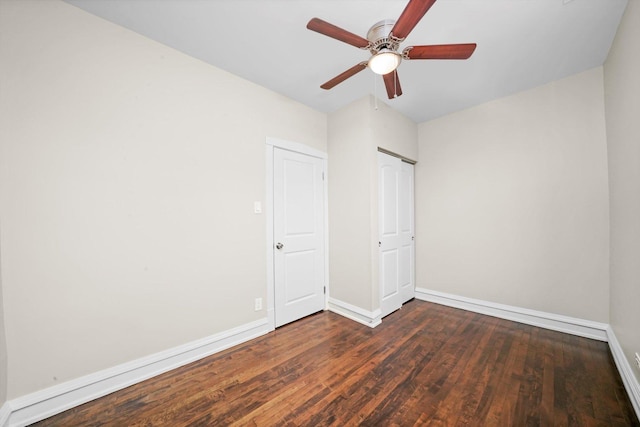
[
  {"x": 330, "y": 30},
  {"x": 411, "y": 15},
  {"x": 344, "y": 76},
  {"x": 392, "y": 83},
  {"x": 442, "y": 51}
]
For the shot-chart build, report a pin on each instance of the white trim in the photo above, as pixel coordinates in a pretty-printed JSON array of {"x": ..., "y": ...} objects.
[
  {"x": 631, "y": 384},
  {"x": 53, "y": 400},
  {"x": 367, "y": 318},
  {"x": 5, "y": 412},
  {"x": 326, "y": 233},
  {"x": 268, "y": 209},
  {"x": 296, "y": 147},
  {"x": 569, "y": 325},
  {"x": 556, "y": 322},
  {"x": 271, "y": 144},
  {"x": 45, "y": 403}
]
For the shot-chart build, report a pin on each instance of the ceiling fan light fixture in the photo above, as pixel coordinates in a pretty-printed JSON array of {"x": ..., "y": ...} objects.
[{"x": 384, "y": 61}]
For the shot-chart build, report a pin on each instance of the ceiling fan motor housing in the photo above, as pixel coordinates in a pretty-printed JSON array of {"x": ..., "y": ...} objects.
[
  {"x": 379, "y": 36},
  {"x": 383, "y": 41}
]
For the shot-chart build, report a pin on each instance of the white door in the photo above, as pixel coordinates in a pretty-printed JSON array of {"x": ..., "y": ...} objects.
[
  {"x": 396, "y": 230},
  {"x": 298, "y": 223}
]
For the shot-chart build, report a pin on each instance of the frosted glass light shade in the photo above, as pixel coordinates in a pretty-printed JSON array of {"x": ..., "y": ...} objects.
[{"x": 384, "y": 61}]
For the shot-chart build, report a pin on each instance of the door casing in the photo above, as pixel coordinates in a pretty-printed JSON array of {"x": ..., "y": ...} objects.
[{"x": 271, "y": 145}]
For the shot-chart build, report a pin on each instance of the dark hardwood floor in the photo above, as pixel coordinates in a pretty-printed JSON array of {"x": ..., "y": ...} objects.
[{"x": 425, "y": 365}]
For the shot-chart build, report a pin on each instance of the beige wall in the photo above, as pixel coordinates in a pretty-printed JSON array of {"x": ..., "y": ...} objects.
[
  {"x": 3, "y": 346},
  {"x": 350, "y": 157},
  {"x": 128, "y": 173},
  {"x": 355, "y": 133},
  {"x": 512, "y": 203},
  {"x": 392, "y": 131},
  {"x": 622, "y": 97}
]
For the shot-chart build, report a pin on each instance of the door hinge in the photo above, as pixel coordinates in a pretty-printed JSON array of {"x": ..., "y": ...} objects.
[
  {"x": 323, "y": 176},
  {"x": 324, "y": 289}
]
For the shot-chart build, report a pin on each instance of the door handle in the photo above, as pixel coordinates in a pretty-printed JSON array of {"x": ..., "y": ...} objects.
[{"x": 279, "y": 245}]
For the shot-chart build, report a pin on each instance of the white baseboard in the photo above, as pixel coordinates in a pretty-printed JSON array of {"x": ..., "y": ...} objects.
[
  {"x": 5, "y": 411},
  {"x": 570, "y": 325},
  {"x": 629, "y": 380},
  {"x": 556, "y": 322},
  {"x": 45, "y": 403},
  {"x": 42, "y": 404},
  {"x": 367, "y": 318}
]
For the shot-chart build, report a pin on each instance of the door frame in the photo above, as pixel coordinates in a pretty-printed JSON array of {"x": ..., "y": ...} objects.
[{"x": 296, "y": 147}]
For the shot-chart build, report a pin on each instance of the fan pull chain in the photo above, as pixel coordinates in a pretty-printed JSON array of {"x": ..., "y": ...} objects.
[
  {"x": 395, "y": 83},
  {"x": 375, "y": 91}
]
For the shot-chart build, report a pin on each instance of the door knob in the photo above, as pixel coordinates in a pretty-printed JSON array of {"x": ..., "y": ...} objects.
[{"x": 279, "y": 245}]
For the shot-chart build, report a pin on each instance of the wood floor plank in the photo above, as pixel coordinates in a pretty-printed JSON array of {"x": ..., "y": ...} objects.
[
  {"x": 547, "y": 391},
  {"x": 455, "y": 399},
  {"x": 501, "y": 411},
  {"x": 560, "y": 413},
  {"x": 411, "y": 396},
  {"x": 426, "y": 364}
]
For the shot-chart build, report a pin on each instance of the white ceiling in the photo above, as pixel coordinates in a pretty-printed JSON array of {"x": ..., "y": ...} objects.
[{"x": 521, "y": 44}]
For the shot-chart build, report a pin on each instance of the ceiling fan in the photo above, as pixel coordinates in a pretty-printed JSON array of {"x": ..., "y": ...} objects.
[{"x": 383, "y": 41}]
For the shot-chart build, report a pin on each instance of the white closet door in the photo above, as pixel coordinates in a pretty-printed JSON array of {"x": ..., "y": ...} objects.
[
  {"x": 406, "y": 272},
  {"x": 396, "y": 231}
]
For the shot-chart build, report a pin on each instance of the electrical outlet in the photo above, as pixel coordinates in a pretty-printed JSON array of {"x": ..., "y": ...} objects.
[
  {"x": 258, "y": 304},
  {"x": 638, "y": 360}
]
